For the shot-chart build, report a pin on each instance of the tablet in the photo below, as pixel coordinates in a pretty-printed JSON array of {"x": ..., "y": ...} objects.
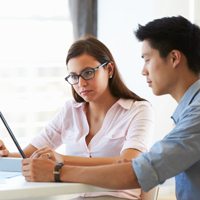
[
  {"x": 12, "y": 136},
  {"x": 10, "y": 167}
]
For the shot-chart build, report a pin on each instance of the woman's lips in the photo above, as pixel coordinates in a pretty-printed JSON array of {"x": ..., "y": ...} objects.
[{"x": 85, "y": 92}]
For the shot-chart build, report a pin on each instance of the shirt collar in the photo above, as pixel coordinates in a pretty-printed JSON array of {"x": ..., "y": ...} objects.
[
  {"x": 186, "y": 100},
  {"x": 78, "y": 104},
  {"x": 125, "y": 103}
]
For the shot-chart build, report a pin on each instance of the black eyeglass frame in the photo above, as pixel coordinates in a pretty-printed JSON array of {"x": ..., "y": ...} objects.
[{"x": 81, "y": 74}]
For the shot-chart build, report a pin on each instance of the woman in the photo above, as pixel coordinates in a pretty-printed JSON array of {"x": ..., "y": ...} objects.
[{"x": 106, "y": 123}]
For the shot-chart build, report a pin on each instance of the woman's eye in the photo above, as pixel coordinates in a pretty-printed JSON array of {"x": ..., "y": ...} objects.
[
  {"x": 74, "y": 77},
  {"x": 88, "y": 73}
]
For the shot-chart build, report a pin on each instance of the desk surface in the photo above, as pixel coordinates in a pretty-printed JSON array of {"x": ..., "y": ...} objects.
[{"x": 18, "y": 188}]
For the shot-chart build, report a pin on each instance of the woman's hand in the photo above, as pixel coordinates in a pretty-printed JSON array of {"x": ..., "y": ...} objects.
[
  {"x": 38, "y": 170},
  {"x": 3, "y": 150},
  {"x": 47, "y": 153}
]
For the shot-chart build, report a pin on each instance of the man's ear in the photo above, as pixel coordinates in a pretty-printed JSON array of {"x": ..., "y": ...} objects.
[{"x": 175, "y": 56}]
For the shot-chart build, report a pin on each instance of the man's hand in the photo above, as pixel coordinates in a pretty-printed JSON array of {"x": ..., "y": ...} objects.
[{"x": 38, "y": 169}]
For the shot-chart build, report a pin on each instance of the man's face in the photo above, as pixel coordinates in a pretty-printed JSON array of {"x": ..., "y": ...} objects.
[{"x": 158, "y": 70}]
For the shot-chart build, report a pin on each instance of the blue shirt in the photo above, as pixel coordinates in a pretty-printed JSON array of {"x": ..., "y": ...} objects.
[{"x": 178, "y": 154}]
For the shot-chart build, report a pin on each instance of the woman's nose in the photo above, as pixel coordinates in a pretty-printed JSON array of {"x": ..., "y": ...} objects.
[{"x": 82, "y": 82}]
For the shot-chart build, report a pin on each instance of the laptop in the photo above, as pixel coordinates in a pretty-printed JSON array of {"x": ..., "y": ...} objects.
[{"x": 10, "y": 167}]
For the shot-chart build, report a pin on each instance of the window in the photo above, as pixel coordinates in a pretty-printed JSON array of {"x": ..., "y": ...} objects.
[{"x": 35, "y": 37}]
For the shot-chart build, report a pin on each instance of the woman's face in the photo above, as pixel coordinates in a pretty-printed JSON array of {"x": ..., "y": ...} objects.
[{"x": 96, "y": 87}]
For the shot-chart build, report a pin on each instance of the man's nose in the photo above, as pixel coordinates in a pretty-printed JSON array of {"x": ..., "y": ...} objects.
[{"x": 144, "y": 71}]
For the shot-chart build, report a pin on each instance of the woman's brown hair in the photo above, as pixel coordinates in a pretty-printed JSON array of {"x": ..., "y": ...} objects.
[{"x": 93, "y": 47}]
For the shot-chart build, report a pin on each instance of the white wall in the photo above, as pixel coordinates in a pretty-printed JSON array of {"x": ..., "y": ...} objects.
[{"x": 117, "y": 20}]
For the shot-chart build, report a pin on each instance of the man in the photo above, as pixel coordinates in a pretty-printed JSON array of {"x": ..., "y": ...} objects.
[{"x": 171, "y": 53}]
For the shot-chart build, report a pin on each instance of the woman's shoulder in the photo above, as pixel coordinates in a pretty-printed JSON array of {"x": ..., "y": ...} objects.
[
  {"x": 72, "y": 104},
  {"x": 134, "y": 103},
  {"x": 145, "y": 108},
  {"x": 143, "y": 103},
  {"x": 139, "y": 106}
]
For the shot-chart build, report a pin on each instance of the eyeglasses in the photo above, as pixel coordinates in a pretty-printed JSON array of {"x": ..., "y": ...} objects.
[{"x": 86, "y": 74}]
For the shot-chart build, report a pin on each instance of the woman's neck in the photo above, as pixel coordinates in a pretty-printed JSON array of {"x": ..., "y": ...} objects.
[{"x": 100, "y": 108}]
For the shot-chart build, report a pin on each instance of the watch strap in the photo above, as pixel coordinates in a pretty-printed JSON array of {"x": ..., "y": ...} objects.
[{"x": 56, "y": 172}]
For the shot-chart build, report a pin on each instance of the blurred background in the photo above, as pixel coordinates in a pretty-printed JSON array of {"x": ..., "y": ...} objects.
[{"x": 34, "y": 39}]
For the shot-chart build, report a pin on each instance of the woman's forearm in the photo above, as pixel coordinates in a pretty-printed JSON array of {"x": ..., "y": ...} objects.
[
  {"x": 84, "y": 161},
  {"x": 126, "y": 155}
]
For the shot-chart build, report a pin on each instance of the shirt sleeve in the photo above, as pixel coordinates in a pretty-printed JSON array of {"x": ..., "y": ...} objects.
[
  {"x": 141, "y": 128},
  {"x": 163, "y": 160},
  {"x": 51, "y": 134}
]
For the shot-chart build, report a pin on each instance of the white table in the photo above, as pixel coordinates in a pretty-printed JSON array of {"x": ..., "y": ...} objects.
[{"x": 18, "y": 189}]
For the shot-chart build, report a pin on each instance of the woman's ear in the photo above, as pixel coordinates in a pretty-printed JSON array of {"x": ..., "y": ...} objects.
[
  {"x": 175, "y": 57},
  {"x": 110, "y": 68}
]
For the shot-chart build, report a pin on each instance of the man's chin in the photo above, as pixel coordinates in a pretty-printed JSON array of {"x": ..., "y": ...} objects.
[{"x": 157, "y": 93}]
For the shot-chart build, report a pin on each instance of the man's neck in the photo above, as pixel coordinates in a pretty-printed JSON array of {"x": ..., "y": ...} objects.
[{"x": 183, "y": 86}]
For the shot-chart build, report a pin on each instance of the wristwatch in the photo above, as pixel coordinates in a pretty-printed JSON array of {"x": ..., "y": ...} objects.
[{"x": 56, "y": 172}]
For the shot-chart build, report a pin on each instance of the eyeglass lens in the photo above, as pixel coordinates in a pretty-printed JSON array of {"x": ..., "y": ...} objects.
[{"x": 85, "y": 74}]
